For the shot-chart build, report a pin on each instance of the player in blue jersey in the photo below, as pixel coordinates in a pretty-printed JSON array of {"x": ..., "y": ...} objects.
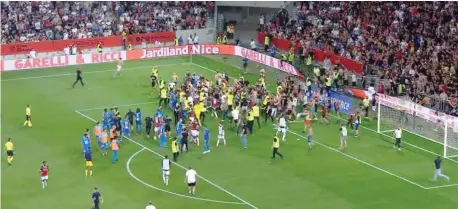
[
  {"x": 85, "y": 143},
  {"x": 105, "y": 119},
  {"x": 173, "y": 99},
  {"x": 245, "y": 63},
  {"x": 159, "y": 113},
  {"x": 162, "y": 137},
  {"x": 138, "y": 121},
  {"x": 206, "y": 141},
  {"x": 111, "y": 117},
  {"x": 179, "y": 128},
  {"x": 89, "y": 164},
  {"x": 126, "y": 128}
]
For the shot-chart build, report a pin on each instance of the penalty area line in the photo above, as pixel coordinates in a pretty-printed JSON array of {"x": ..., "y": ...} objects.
[
  {"x": 442, "y": 186},
  {"x": 169, "y": 192},
  {"x": 184, "y": 168},
  {"x": 360, "y": 161}
]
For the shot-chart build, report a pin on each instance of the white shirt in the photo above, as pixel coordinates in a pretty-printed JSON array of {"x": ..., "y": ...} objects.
[
  {"x": 190, "y": 40},
  {"x": 282, "y": 122},
  {"x": 157, "y": 44},
  {"x": 165, "y": 164},
  {"x": 67, "y": 50},
  {"x": 371, "y": 91},
  {"x": 150, "y": 207},
  {"x": 196, "y": 39},
  {"x": 221, "y": 130},
  {"x": 33, "y": 53},
  {"x": 235, "y": 114},
  {"x": 191, "y": 176},
  {"x": 343, "y": 131},
  {"x": 74, "y": 50},
  {"x": 397, "y": 133},
  {"x": 253, "y": 45}
]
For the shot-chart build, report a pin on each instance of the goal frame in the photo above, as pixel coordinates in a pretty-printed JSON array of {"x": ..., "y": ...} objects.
[{"x": 417, "y": 110}]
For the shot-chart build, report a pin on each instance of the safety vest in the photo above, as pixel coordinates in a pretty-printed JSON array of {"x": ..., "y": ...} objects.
[
  {"x": 228, "y": 29},
  {"x": 316, "y": 70},
  {"x": 176, "y": 41},
  {"x": 266, "y": 41},
  {"x": 366, "y": 103},
  {"x": 163, "y": 93},
  {"x": 225, "y": 39},
  {"x": 328, "y": 82},
  {"x": 129, "y": 47},
  {"x": 308, "y": 83},
  {"x": 291, "y": 56},
  {"x": 336, "y": 75},
  {"x": 250, "y": 116},
  {"x": 99, "y": 47},
  {"x": 218, "y": 40},
  {"x": 309, "y": 60},
  {"x": 283, "y": 57},
  {"x": 256, "y": 111},
  {"x": 124, "y": 34}
]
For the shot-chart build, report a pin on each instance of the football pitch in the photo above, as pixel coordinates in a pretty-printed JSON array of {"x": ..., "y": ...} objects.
[{"x": 369, "y": 174}]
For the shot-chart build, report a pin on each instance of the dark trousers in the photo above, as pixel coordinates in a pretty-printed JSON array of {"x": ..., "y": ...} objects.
[
  {"x": 175, "y": 156},
  {"x": 184, "y": 142},
  {"x": 80, "y": 80},
  {"x": 250, "y": 126},
  {"x": 162, "y": 100},
  {"x": 275, "y": 152},
  {"x": 257, "y": 120},
  {"x": 148, "y": 130},
  {"x": 96, "y": 205},
  {"x": 175, "y": 116},
  {"x": 202, "y": 117},
  {"x": 397, "y": 144}
]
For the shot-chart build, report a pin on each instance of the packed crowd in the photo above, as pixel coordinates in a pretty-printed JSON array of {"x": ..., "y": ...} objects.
[
  {"x": 412, "y": 45},
  {"x": 33, "y": 21}
]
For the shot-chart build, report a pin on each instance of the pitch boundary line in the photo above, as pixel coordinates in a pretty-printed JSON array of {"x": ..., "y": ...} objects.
[
  {"x": 89, "y": 72},
  {"x": 167, "y": 191},
  {"x": 156, "y": 153},
  {"x": 359, "y": 160}
]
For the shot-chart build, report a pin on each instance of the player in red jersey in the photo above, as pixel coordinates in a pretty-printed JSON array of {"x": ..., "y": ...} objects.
[
  {"x": 194, "y": 127},
  {"x": 215, "y": 107},
  {"x": 337, "y": 108},
  {"x": 324, "y": 111},
  {"x": 44, "y": 174},
  {"x": 351, "y": 118}
]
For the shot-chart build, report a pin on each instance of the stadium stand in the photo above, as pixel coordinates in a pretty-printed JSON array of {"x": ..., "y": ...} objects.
[
  {"x": 33, "y": 21},
  {"x": 412, "y": 46}
]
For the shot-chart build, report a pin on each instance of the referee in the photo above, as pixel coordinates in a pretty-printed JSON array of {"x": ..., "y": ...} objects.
[
  {"x": 275, "y": 146},
  {"x": 79, "y": 77},
  {"x": 96, "y": 198}
]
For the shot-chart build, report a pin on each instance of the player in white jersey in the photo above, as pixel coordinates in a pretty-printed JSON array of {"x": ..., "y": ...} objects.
[
  {"x": 191, "y": 180},
  {"x": 282, "y": 127},
  {"x": 220, "y": 135},
  {"x": 397, "y": 138},
  {"x": 119, "y": 65},
  {"x": 343, "y": 137},
  {"x": 166, "y": 169}
]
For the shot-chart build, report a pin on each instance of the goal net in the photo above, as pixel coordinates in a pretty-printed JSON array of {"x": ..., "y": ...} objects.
[{"x": 420, "y": 121}]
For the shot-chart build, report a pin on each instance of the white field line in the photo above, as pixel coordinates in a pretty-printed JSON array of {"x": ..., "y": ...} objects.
[
  {"x": 169, "y": 192},
  {"x": 443, "y": 186},
  {"x": 184, "y": 168},
  {"x": 412, "y": 145},
  {"x": 89, "y": 72},
  {"x": 124, "y": 105},
  {"x": 361, "y": 161}
]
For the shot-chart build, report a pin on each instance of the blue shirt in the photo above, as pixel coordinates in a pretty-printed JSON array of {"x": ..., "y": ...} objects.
[
  {"x": 206, "y": 134},
  {"x": 245, "y": 60},
  {"x": 126, "y": 124},
  {"x": 179, "y": 126},
  {"x": 105, "y": 116},
  {"x": 159, "y": 113},
  {"x": 96, "y": 196},
  {"x": 88, "y": 155},
  {"x": 110, "y": 115},
  {"x": 437, "y": 163},
  {"x": 162, "y": 130},
  {"x": 138, "y": 117},
  {"x": 85, "y": 142}
]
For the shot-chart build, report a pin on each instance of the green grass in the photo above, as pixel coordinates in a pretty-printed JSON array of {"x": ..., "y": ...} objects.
[{"x": 370, "y": 174}]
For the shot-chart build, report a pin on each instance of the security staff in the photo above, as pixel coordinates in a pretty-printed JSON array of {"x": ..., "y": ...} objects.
[
  {"x": 175, "y": 41},
  {"x": 225, "y": 41},
  {"x": 291, "y": 57},
  {"x": 250, "y": 120},
  {"x": 275, "y": 147},
  {"x": 163, "y": 95},
  {"x": 99, "y": 47},
  {"x": 283, "y": 59},
  {"x": 366, "y": 106},
  {"x": 255, "y": 109},
  {"x": 218, "y": 40},
  {"x": 336, "y": 79},
  {"x": 129, "y": 47},
  {"x": 308, "y": 62},
  {"x": 266, "y": 43},
  {"x": 328, "y": 84}
]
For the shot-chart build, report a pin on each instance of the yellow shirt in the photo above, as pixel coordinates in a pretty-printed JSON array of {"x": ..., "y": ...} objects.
[
  {"x": 28, "y": 111},
  {"x": 202, "y": 96},
  {"x": 256, "y": 111},
  {"x": 230, "y": 99},
  {"x": 163, "y": 93},
  {"x": 250, "y": 116},
  {"x": 366, "y": 103},
  {"x": 9, "y": 146},
  {"x": 276, "y": 143},
  {"x": 174, "y": 146},
  {"x": 197, "y": 109},
  {"x": 202, "y": 107},
  {"x": 266, "y": 99}
]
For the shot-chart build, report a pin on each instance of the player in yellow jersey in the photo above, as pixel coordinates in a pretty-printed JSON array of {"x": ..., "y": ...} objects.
[
  {"x": 9, "y": 148},
  {"x": 28, "y": 117}
]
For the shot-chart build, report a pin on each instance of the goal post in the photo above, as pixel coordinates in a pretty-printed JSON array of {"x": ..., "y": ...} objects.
[{"x": 439, "y": 128}]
